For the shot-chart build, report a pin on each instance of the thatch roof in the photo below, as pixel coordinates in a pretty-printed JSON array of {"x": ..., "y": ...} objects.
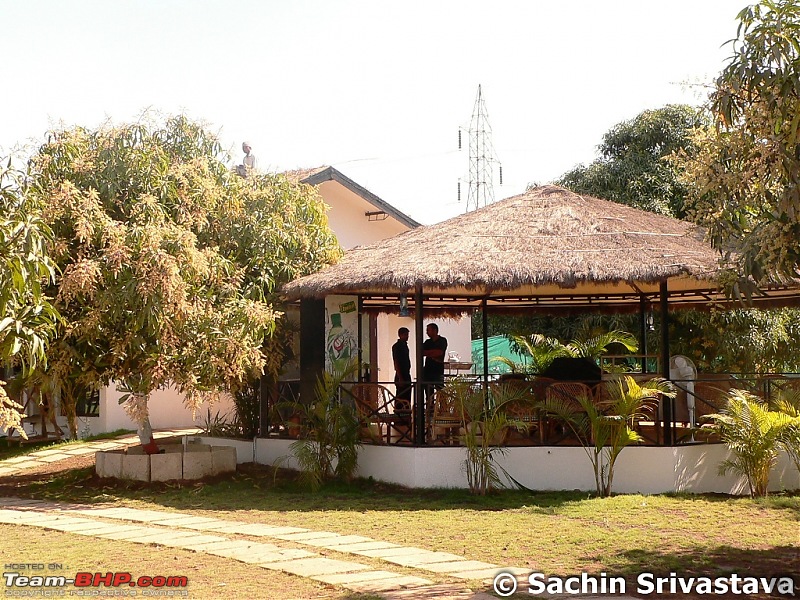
[{"x": 547, "y": 237}]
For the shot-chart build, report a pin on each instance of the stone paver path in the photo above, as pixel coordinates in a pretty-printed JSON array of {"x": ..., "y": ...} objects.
[{"x": 213, "y": 536}]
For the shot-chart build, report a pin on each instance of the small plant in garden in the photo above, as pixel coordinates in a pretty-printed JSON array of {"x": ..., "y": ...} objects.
[
  {"x": 754, "y": 434},
  {"x": 606, "y": 428},
  {"x": 330, "y": 433},
  {"x": 484, "y": 425}
]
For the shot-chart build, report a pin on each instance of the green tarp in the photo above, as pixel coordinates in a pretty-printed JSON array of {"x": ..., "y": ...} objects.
[{"x": 499, "y": 345}]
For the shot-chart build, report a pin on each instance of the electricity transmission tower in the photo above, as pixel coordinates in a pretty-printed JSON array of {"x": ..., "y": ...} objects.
[{"x": 482, "y": 158}]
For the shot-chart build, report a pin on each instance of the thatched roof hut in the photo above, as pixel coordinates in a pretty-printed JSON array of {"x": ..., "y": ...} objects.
[{"x": 547, "y": 237}]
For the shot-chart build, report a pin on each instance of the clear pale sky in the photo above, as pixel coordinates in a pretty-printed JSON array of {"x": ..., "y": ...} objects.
[{"x": 374, "y": 88}]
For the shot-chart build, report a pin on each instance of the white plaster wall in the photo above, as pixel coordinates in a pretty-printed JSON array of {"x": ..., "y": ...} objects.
[
  {"x": 645, "y": 470},
  {"x": 167, "y": 411},
  {"x": 347, "y": 219},
  {"x": 457, "y": 331}
]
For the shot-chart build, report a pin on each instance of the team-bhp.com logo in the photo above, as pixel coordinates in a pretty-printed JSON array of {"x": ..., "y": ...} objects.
[{"x": 86, "y": 580}]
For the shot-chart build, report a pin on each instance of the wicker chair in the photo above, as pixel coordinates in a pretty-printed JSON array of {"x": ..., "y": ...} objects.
[
  {"x": 447, "y": 419},
  {"x": 374, "y": 404}
]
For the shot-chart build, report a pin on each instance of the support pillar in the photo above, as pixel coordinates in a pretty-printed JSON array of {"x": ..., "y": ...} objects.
[
  {"x": 667, "y": 412},
  {"x": 419, "y": 394},
  {"x": 312, "y": 346}
]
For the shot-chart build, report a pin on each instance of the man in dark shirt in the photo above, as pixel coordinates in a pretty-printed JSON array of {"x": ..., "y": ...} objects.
[
  {"x": 402, "y": 372},
  {"x": 434, "y": 350}
]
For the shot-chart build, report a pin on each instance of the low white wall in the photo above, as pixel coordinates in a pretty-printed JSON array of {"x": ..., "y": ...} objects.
[
  {"x": 167, "y": 411},
  {"x": 645, "y": 470}
]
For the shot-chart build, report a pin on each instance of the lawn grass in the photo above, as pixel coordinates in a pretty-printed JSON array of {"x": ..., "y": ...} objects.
[
  {"x": 209, "y": 577},
  {"x": 556, "y": 533}
]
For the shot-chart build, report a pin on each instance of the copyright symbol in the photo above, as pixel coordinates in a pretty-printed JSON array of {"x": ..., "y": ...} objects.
[{"x": 505, "y": 584}]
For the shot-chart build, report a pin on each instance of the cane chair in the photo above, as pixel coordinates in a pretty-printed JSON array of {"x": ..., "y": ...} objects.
[
  {"x": 448, "y": 417},
  {"x": 374, "y": 404}
]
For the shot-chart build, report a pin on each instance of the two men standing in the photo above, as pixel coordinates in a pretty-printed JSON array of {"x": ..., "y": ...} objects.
[{"x": 434, "y": 350}]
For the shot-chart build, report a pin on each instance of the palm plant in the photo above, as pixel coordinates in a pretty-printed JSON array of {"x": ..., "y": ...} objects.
[
  {"x": 606, "y": 428},
  {"x": 541, "y": 350},
  {"x": 786, "y": 399},
  {"x": 754, "y": 434},
  {"x": 330, "y": 437},
  {"x": 484, "y": 424}
]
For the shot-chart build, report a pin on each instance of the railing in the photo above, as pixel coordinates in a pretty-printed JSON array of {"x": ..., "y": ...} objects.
[{"x": 386, "y": 420}]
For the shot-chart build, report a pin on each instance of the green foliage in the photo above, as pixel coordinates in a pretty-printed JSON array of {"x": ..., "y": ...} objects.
[
  {"x": 170, "y": 262},
  {"x": 785, "y": 399},
  {"x": 632, "y": 168},
  {"x": 484, "y": 425},
  {"x": 606, "y": 427},
  {"x": 247, "y": 400},
  {"x": 744, "y": 175},
  {"x": 542, "y": 350},
  {"x": 754, "y": 434},
  {"x": 330, "y": 433},
  {"x": 28, "y": 320},
  {"x": 738, "y": 341}
]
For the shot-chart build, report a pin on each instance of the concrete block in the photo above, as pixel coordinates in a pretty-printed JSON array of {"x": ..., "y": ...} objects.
[
  {"x": 196, "y": 465},
  {"x": 223, "y": 459},
  {"x": 197, "y": 448},
  {"x": 108, "y": 464},
  {"x": 164, "y": 467},
  {"x": 136, "y": 467}
]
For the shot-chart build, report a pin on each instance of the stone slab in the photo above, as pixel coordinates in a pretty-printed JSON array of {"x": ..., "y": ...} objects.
[
  {"x": 374, "y": 545},
  {"x": 196, "y": 465},
  {"x": 27, "y": 464},
  {"x": 136, "y": 467},
  {"x": 309, "y": 567},
  {"x": 305, "y": 535},
  {"x": 107, "y": 529},
  {"x": 76, "y": 525},
  {"x": 346, "y": 578},
  {"x": 262, "y": 558},
  {"x": 135, "y": 532},
  {"x": 453, "y": 567},
  {"x": 208, "y": 525},
  {"x": 7, "y": 470},
  {"x": 166, "y": 467},
  {"x": 223, "y": 460},
  {"x": 108, "y": 464},
  {"x": 395, "y": 583},
  {"x": 163, "y": 537},
  {"x": 16, "y": 459},
  {"x": 53, "y": 458},
  {"x": 387, "y": 552},
  {"x": 194, "y": 539},
  {"x": 425, "y": 558},
  {"x": 337, "y": 541},
  {"x": 31, "y": 518},
  {"x": 80, "y": 451},
  {"x": 49, "y": 452},
  {"x": 209, "y": 547},
  {"x": 186, "y": 520},
  {"x": 256, "y": 529}
]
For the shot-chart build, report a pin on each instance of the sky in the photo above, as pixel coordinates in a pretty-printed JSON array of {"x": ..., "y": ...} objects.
[{"x": 376, "y": 89}]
